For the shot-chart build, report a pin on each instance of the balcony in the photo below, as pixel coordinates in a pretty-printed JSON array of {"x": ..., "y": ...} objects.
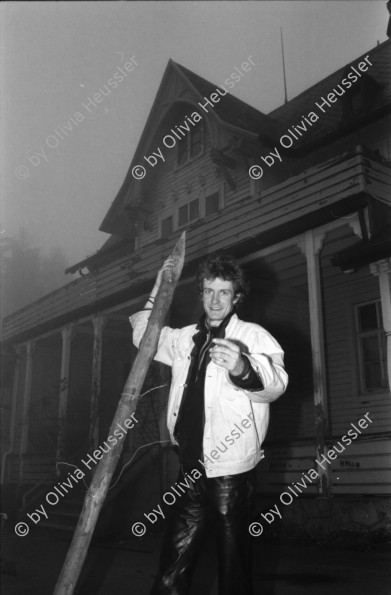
[{"x": 331, "y": 189}]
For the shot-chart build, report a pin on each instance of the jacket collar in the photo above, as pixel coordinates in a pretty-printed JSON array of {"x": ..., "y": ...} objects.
[
  {"x": 232, "y": 323},
  {"x": 202, "y": 329},
  {"x": 203, "y": 325}
]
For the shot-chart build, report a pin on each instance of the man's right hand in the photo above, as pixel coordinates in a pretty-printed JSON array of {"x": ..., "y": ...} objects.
[{"x": 168, "y": 265}]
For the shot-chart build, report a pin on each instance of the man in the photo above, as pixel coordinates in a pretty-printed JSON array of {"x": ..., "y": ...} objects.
[{"x": 225, "y": 372}]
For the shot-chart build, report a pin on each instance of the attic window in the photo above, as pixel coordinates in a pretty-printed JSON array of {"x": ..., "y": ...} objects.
[
  {"x": 188, "y": 212},
  {"x": 166, "y": 226},
  {"x": 196, "y": 142},
  {"x": 192, "y": 211},
  {"x": 212, "y": 203},
  {"x": 191, "y": 146}
]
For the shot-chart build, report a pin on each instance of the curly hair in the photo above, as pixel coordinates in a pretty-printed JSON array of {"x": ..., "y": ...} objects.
[{"x": 225, "y": 267}]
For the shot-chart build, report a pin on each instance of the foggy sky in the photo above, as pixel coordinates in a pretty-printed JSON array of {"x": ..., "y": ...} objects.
[{"x": 57, "y": 54}]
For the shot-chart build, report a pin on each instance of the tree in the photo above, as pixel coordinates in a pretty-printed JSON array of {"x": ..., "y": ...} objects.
[{"x": 27, "y": 275}]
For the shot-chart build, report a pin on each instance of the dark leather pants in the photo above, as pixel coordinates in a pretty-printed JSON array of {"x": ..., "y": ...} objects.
[{"x": 226, "y": 501}]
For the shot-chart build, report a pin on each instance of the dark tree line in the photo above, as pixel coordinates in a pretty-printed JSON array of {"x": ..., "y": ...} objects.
[{"x": 26, "y": 273}]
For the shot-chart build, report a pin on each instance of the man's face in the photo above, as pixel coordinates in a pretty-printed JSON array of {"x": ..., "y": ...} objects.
[{"x": 218, "y": 299}]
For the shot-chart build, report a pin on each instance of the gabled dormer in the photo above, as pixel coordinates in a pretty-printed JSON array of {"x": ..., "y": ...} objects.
[{"x": 197, "y": 142}]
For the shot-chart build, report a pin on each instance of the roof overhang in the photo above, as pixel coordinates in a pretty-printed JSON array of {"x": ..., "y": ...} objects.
[{"x": 362, "y": 254}]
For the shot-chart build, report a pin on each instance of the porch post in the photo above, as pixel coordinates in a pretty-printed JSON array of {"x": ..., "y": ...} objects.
[
  {"x": 99, "y": 323},
  {"x": 382, "y": 269},
  {"x": 66, "y": 334},
  {"x": 25, "y": 406},
  {"x": 14, "y": 400},
  {"x": 311, "y": 247}
]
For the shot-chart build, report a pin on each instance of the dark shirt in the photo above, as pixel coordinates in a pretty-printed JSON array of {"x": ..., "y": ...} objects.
[{"x": 189, "y": 429}]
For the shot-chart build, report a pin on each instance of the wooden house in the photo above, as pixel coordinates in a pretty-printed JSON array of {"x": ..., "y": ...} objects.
[{"x": 313, "y": 233}]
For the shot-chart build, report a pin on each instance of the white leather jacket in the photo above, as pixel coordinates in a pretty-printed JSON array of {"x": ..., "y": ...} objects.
[{"x": 236, "y": 419}]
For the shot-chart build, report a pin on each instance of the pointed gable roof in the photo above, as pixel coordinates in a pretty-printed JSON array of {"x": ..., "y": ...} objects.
[
  {"x": 233, "y": 111},
  {"x": 230, "y": 112},
  {"x": 245, "y": 119}
]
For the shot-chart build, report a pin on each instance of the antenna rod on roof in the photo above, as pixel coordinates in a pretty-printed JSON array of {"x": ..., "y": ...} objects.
[{"x": 283, "y": 66}]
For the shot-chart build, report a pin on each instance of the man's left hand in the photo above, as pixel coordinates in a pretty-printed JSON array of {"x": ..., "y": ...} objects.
[{"x": 227, "y": 355}]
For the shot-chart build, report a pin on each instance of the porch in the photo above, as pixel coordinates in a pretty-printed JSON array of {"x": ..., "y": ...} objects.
[{"x": 284, "y": 237}]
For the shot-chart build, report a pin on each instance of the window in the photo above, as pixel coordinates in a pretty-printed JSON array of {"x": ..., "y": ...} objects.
[
  {"x": 194, "y": 210},
  {"x": 195, "y": 142},
  {"x": 371, "y": 346},
  {"x": 166, "y": 226},
  {"x": 188, "y": 212},
  {"x": 198, "y": 208},
  {"x": 191, "y": 146},
  {"x": 212, "y": 203},
  {"x": 182, "y": 152}
]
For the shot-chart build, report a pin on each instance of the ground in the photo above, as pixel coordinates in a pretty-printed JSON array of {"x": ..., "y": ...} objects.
[{"x": 32, "y": 565}]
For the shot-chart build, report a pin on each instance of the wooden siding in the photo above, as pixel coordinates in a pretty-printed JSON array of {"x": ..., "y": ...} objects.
[
  {"x": 364, "y": 467},
  {"x": 341, "y": 293},
  {"x": 279, "y": 302},
  {"x": 169, "y": 188},
  {"x": 320, "y": 186},
  {"x": 283, "y": 465},
  {"x": 73, "y": 296}
]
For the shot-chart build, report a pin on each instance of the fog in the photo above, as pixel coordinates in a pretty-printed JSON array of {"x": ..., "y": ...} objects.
[{"x": 61, "y": 172}]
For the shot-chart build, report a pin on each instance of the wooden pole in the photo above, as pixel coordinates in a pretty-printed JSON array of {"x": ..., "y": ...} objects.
[{"x": 126, "y": 407}]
